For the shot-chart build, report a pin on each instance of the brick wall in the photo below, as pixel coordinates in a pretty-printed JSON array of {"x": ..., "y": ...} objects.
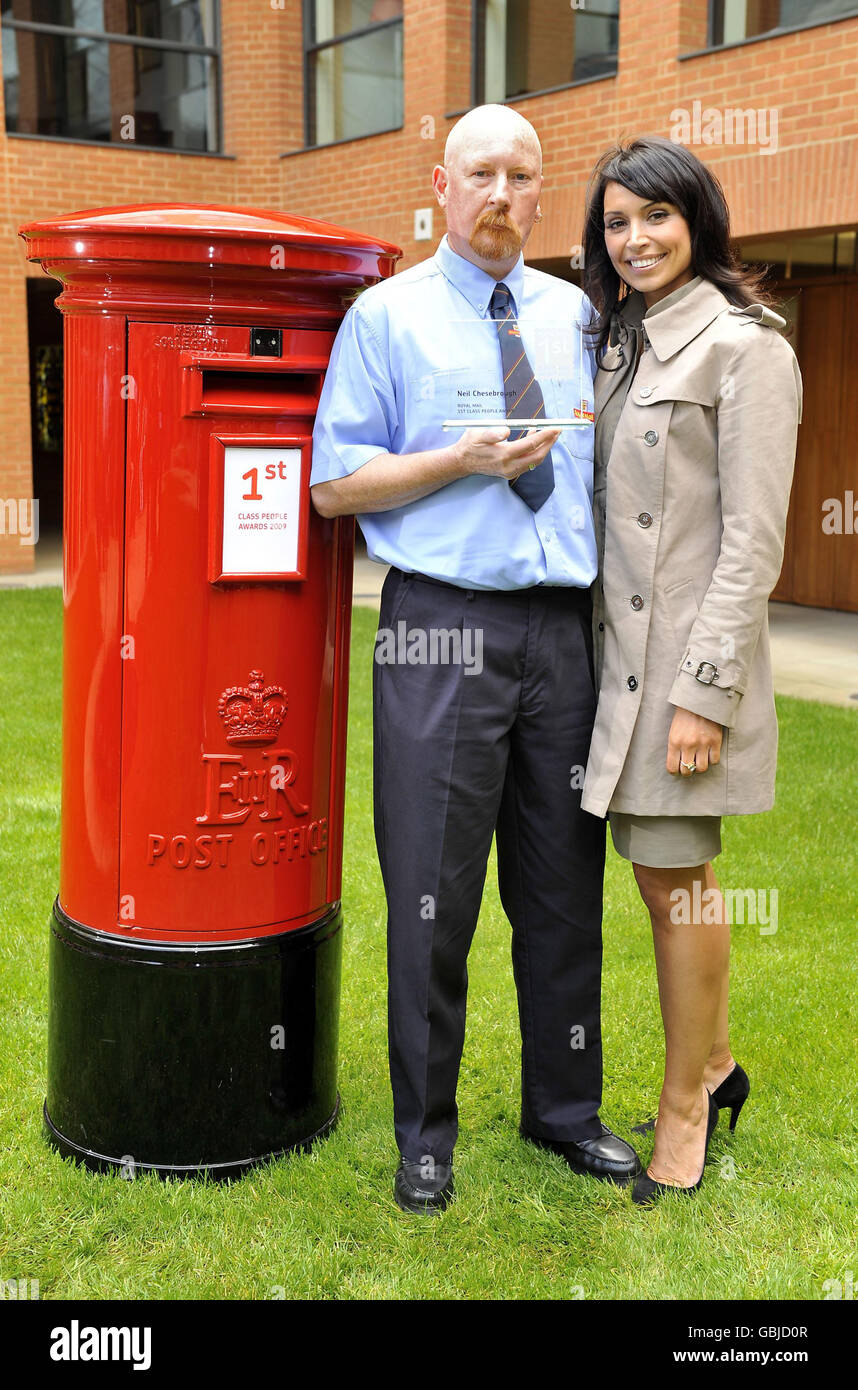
[{"x": 375, "y": 184}]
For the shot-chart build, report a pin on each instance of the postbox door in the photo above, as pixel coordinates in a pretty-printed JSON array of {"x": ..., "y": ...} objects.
[{"x": 229, "y": 699}]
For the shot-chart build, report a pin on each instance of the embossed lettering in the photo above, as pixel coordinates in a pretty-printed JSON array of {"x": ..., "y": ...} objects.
[
  {"x": 283, "y": 786},
  {"x": 249, "y": 787},
  {"x": 182, "y": 851},
  {"x": 215, "y": 789},
  {"x": 157, "y": 844}
]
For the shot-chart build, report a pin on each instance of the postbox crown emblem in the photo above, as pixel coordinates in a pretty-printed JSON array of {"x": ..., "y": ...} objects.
[{"x": 252, "y": 713}]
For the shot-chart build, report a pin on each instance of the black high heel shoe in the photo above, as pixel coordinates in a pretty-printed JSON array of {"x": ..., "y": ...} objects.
[
  {"x": 733, "y": 1091},
  {"x": 646, "y": 1190}
]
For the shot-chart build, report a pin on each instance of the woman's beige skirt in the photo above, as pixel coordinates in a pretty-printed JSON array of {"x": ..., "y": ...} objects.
[{"x": 666, "y": 842}]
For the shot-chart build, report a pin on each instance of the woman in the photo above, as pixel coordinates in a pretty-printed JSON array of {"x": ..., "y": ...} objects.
[{"x": 698, "y": 398}]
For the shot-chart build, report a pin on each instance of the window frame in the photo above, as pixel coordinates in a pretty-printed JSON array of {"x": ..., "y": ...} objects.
[
  {"x": 312, "y": 47},
  {"x": 478, "y": 63},
  {"x": 713, "y": 47},
  {"x": 136, "y": 41}
]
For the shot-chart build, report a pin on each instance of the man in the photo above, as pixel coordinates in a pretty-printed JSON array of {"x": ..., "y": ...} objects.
[{"x": 490, "y": 541}]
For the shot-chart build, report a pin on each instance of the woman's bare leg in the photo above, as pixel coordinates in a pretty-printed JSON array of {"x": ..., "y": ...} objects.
[
  {"x": 692, "y": 949},
  {"x": 720, "y": 1062}
]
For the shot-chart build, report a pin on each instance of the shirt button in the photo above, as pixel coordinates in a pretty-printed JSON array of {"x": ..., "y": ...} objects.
[
  {"x": 651, "y": 437},
  {"x": 632, "y": 683},
  {"x": 644, "y": 520},
  {"x": 637, "y": 602},
  {"x": 646, "y": 391}
]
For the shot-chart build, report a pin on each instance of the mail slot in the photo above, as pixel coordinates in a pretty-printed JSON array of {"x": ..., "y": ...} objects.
[
  {"x": 236, "y": 388},
  {"x": 196, "y": 935}
]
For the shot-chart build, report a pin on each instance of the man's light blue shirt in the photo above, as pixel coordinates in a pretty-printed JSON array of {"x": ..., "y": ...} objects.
[{"x": 422, "y": 348}]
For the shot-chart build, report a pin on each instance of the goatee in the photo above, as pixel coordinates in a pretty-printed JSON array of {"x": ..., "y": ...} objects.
[{"x": 495, "y": 237}]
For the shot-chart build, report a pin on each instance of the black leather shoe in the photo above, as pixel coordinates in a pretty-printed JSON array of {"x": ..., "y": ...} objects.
[
  {"x": 426, "y": 1186},
  {"x": 733, "y": 1092},
  {"x": 647, "y": 1190},
  {"x": 608, "y": 1157}
]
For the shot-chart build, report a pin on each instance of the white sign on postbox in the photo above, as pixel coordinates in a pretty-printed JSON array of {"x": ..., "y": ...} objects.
[{"x": 261, "y": 510}]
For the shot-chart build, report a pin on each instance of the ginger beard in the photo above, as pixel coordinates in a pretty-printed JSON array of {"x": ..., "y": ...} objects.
[{"x": 495, "y": 236}]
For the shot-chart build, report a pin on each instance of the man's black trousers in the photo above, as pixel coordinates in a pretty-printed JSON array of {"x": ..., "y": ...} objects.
[{"x": 495, "y": 741}]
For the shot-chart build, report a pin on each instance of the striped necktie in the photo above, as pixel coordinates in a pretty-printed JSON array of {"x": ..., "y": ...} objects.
[{"x": 522, "y": 396}]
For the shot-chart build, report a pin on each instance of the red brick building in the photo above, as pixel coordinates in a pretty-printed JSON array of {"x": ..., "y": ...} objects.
[{"x": 339, "y": 109}]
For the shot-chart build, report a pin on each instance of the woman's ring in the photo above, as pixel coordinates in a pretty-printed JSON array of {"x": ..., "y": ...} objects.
[{"x": 689, "y": 767}]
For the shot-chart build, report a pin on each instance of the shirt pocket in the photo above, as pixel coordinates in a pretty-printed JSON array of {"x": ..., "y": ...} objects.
[{"x": 570, "y": 398}]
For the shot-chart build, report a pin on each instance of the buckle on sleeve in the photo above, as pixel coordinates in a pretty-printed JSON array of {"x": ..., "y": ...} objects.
[{"x": 706, "y": 672}]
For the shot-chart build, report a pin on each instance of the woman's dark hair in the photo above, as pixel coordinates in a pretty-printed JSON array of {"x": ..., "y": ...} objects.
[{"x": 663, "y": 171}]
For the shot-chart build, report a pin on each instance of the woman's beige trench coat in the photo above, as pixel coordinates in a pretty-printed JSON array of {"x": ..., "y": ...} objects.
[{"x": 694, "y": 462}]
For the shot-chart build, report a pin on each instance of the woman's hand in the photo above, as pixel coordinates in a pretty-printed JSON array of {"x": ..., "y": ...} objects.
[{"x": 692, "y": 739}]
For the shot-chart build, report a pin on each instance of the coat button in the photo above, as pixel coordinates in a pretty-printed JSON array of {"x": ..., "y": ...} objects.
[
  {"x": 644, "y": 520},
  {"x": 601, "y": 627},
  {"x": 636, "y": 602},
  {"x": 632, "y": 683},
  {"x": 651, "y": 437},
  {"x": 646, "y": 391}
]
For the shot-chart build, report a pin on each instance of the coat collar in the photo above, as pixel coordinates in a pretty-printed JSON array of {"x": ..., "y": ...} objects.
[
  {"x": 676, "y": 320},
  {"x": 681, "y": 316},
  {"x": 668, "y": 327}
]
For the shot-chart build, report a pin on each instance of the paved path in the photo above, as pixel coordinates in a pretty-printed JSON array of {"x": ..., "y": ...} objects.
[{"x": 814, "y": 650}]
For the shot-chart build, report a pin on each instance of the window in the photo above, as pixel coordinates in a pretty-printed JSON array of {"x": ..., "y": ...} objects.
[
  {"x": 137, "y": 72},
  {"x": 530, "y": 45},
  {"x": 804, "y": 257},
  {"x": 734, "y": 20},
  {"x": 352, "y": 68}
]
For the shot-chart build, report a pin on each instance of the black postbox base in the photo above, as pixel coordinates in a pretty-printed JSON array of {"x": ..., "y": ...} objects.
[{"x": 191, "y": 1060}]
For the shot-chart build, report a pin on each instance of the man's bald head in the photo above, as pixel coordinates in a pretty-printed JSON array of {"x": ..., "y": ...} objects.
[
  {"x": 489, "y": 186},
  {"x": 492, "y": 123}
]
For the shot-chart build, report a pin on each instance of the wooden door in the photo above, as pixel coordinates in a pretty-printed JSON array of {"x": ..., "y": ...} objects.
[{"x": 820, "y": 566}]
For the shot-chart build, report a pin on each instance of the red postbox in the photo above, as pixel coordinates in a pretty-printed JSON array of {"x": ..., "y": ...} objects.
[{"x": 195, "y": 939}]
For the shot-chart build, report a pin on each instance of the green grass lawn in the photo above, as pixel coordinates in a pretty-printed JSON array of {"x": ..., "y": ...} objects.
[{"x": 775, "y": 1218}]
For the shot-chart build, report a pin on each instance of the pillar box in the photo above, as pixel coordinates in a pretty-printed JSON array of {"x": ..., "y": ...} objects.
[{"x": 196, "y": 937}]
